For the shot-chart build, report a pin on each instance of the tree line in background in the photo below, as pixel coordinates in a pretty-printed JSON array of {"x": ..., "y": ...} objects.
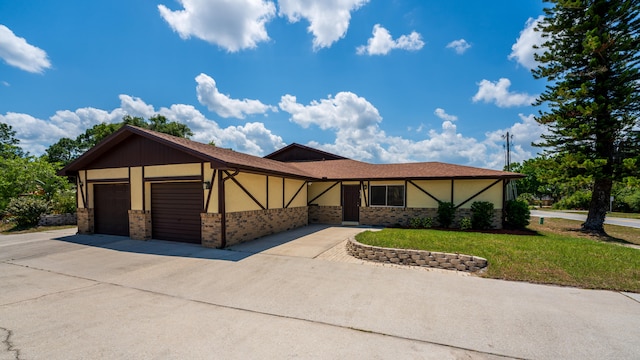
[
  {"x": 29, "y": 186},
  {"x": 565, "y": 182}
]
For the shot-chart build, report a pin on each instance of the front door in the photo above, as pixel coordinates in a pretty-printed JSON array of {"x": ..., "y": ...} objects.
[{"x": 350, "y": 203}]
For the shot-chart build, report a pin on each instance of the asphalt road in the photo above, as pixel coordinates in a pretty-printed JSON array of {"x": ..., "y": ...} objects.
[
  {"x": 65, "y": 296},
  {"x": 634, "y": 223}
]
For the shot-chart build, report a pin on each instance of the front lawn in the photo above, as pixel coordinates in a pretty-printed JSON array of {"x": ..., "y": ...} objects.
[{"x": 556, "y": 255}]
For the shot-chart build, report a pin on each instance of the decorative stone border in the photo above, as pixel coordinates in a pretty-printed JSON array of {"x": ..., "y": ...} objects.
[
  {"x": 422, "y": 258},
  {"x": 58, "y": 219}
]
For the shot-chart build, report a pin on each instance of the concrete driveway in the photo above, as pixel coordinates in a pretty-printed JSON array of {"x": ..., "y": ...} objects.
[{"x": 65, "y": 296}]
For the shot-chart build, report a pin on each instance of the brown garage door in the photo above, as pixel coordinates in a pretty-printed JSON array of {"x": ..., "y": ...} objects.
[
  {"x": 111, "y": 209},
  {"x": 175, "y": 211}
]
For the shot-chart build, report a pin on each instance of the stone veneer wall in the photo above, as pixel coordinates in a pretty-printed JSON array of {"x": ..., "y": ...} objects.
[
  {"x": 325, "y": 214},
  {"x": 393, "y": 216},
  {"x": 85, "y": 221},
  {"x": 140, "y": 224},
  {"x": 422, "y": 258},
  {"x": 211, "y": 230},
  {"x": 58, "y": 219},
  {"x": 248, "y": 225}
]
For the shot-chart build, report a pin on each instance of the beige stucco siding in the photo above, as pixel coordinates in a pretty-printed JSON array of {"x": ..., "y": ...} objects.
[
  {"x": 464, "y": 189},
  {"x": 330, "y": 198},
  {"x": 102, "y": 174},
  {"x": 275, "y": 192},
  {"x": 137, "y": 188},
  {"x": 82, "y": 190},
  {"x": 291, "y": 186},
  {"x": 172, "y": 170},
  {"x": 238, "y": 200},
  {"x": 213, "y": 199},
  {"x": 440, "y": 189}
]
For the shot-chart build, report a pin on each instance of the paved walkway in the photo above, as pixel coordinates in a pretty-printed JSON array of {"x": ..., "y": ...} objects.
[{"x": 66, "y": 296}]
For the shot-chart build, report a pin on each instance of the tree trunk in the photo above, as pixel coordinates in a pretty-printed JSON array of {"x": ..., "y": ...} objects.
[{"x": 598, "y": 207}]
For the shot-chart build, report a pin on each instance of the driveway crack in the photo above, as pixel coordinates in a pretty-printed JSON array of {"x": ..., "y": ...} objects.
[{"x": 8, "y": 343}]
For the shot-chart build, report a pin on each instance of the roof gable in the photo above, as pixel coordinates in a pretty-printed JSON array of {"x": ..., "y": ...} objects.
[{"x": 296, "y": 153}]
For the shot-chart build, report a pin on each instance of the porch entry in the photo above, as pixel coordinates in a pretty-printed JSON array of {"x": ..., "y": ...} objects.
[{"x": 351, "y": 203}]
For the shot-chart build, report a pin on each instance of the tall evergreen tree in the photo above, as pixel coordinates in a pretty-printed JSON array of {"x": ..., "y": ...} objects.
[{"x": 591, "y": 60}]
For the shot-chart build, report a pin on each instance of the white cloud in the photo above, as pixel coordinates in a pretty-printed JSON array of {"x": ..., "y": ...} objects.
[
  {"x": 6, "y": 83},
  {"x": 439, "y": 112},
  {"x": 522, "y": 51},
  {"x": 498, "y": 93},
  {"x": 381, "y": 43},
  {"x": 328, "y": 20},
  {"x": 225, "y": 106},
  {"x": 16, "y": 51},
  {"x": 459, "y": 46},
  {"x": 344, "y": 111},
  {"x": 232, "y": 25},
  {"x": 37, "y": 134}
]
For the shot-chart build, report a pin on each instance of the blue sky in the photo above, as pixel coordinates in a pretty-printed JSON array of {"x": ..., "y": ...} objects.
[{"x": 378, "y": 80}]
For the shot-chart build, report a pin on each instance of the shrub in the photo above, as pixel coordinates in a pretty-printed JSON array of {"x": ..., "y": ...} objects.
[
  {"x": 517, "y": 214},
  {"x": 482, "y": 215},
  {"x": 465, "y": 223},
  {"x": 446, "y": 213},
  {"x": 415, "y": 223},
  {"x": 26, "y": 211},
  {"x": 426, "y": 223},
  {"x": 64, "y": 202}
]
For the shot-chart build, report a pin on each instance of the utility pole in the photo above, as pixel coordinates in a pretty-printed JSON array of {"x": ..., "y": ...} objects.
[{"x": 507, "y": 159}]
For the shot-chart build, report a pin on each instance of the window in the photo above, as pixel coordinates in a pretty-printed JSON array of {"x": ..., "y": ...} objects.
[{"x": 387, "y": 195}]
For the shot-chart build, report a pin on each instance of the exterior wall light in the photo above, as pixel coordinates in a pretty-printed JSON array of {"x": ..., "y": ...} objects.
[{"x": 206, "y": 185}]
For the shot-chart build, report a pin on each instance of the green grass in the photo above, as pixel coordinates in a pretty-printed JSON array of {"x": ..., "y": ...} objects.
[
  {"x": 11, "y": 228},
  {"x": 550, "y": 257}
]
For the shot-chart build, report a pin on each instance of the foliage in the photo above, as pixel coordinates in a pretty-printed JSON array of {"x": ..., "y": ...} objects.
[
  {"x": 446, "y": 213},
  {"x": 66, "y": 150},
  {"x": 517, "y": 214},
  {"x": 9, "y": 143},
  {"x": 466, "y": 223},
  {"x": 482, "y": 215},
  {"x": 26, "y": 210},
  {"x": 577, "y": 201},
  {"x": 591, "y": 56},
  {"x": 28, "y": 176},
  {"x": 421, "y": 223},
  {"x": 64, "y": 202}
]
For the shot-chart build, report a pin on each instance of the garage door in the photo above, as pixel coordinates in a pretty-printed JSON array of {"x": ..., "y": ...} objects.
[
  {"x": 111, "y": 209},
  {"x": 175, "y": 211}
]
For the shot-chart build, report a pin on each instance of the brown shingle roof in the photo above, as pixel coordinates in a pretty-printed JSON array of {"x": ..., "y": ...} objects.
[
  {"x": 357, "y": 170},
  {"x": 344, "y": 169}
]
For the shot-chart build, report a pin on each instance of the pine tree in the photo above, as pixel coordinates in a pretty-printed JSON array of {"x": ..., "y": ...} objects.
[{"x": 591, "y": 59}]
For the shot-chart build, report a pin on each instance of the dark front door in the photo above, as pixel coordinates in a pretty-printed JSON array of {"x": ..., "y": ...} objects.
[
  {"x": 111, "y": 209},
  {"x": 175, "y": 211},
  {"x": 350, "y": 202}
]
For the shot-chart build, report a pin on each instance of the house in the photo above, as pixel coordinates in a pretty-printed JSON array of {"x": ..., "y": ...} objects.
[{"x": 143, "y": 184}]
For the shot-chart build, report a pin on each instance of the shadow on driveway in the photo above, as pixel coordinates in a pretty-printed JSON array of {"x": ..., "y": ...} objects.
[{"x": 170, "y": 248}]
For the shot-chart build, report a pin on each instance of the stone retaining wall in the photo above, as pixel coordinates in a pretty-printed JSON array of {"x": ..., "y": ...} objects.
[
  {"x": 422, "y": 258},
  {"x": 58, "y": 219}
]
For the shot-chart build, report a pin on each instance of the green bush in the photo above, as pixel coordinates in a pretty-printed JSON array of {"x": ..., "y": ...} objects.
[
  {"x": 64, "y": 202},
  {"x": 578, "y": 200},
  {"x": 482, "y": 215},
  {"x": 465, "y": 223},
  {"x": 517, "y": 214},
  {"x": 632, "y": 201},
  {"x": 446, "y": 213},
  {"x": 420, "y": 223},
  {"x": 26, "y": 211},
  {"x": 426, "y": 223}
]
